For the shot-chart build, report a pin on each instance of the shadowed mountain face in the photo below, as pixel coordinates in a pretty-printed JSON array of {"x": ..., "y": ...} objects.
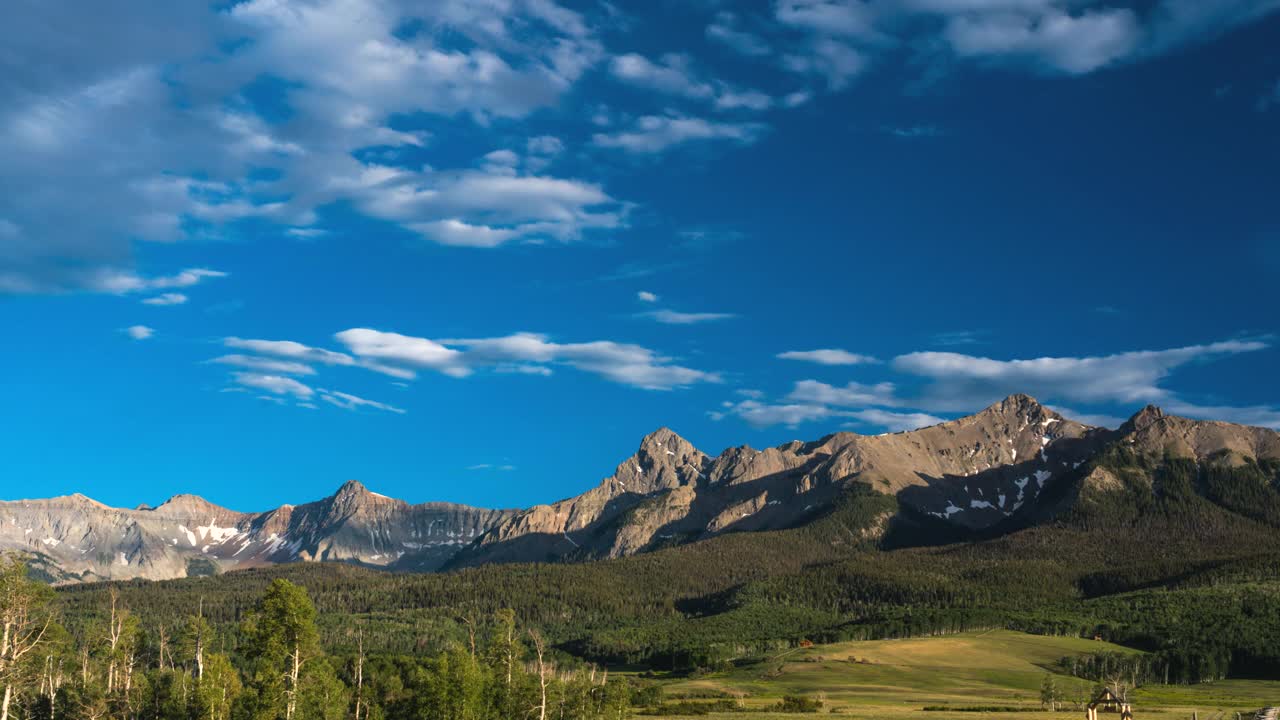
[{"x": 975, "y": 475}]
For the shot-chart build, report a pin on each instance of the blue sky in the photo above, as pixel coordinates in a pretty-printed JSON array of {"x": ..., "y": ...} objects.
[{"x": 473, "y": 251}]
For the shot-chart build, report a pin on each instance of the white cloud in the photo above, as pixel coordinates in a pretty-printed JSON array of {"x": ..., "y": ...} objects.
[
  {"x": 394, "y": 348},
  {"x": 839, "y": 39},
  {"x": 646, "y": 296},
  {"x": 123, "y": 282},
  {"x": 1095, "y": 419},
  {"x": 725, "y": 31},
  {"x": 811, "y": 400},
  {"x": 276, "y": 384},
  {"x": 544, "y": 145},
  {"x": 828, "y": 357},
  {"x": 744, "y": 100},
  {"x": 480, "y": 208},
  {"x": 306, "y": 233},
  {"x": 456, "y": 232},
  {"x": 139, "y": 332},
  {"x": 672, "y": 75},
  {"x": 1258, "y": 415},
  {"x": 895, "y": 421},
  {"x": 797, "y": 98},
  {"x": 846, "y": 18},
  {"x": 265, "y": 365},
  {"x": 655, "y": 133},
  {"x": 1054, "y": 39},
  {"x": 851, "y": 395},
  {"x": 761, "y": 415},
  {"x": 833, "y": 60},
  {"x": 348, "y": 401},
  {"x": 966, "y": 382},
  {"x": 290, "y": 349},
  {"x": 166, "y": 299},
  {"x": 673, "y": 317},
  {"x": 529, "y": 353}
]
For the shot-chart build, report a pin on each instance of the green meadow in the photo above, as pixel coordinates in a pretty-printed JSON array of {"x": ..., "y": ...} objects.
[{"x": 952, "y": 676}]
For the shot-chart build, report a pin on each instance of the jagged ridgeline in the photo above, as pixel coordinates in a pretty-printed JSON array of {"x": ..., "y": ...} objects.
[
  {"x": 1013, "y": 517},
  {"x": 974, "y": 474}
]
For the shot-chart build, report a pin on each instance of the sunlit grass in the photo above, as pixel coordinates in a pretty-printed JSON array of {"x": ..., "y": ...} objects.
[{"x": 899, "y": 678}]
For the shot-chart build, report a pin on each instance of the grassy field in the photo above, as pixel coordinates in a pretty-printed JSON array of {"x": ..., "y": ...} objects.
[{"x": 899, "y": 678}]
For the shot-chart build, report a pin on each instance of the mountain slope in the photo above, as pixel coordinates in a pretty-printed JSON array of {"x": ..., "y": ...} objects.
[
  {"x": 973, "y": 472},
  {"x": 1013, "y": 465}
]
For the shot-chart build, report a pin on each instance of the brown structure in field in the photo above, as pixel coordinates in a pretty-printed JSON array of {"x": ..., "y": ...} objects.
[{"x": 1109, "y": 702}]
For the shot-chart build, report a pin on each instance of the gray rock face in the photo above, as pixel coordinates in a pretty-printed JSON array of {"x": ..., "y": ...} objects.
[
  {"x": 971, "y": 473},
  {"x": 75, "y": 539}
]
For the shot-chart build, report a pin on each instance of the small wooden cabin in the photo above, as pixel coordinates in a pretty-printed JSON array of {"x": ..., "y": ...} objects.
[{"x": 1108, "y": 702}]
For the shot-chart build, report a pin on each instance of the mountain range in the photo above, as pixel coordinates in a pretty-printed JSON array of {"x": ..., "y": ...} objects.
[{"x": 1014, "y": 464}]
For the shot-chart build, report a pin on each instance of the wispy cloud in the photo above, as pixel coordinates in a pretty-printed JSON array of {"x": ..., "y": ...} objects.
[
  {"x": 725, "y": 29},
  {"x": 265, "y": 364},
  {"x": 402, "y": 356},
  {"x": 166, "y": 299},
  {"x": 829, "y": 356},
  {"x": 139, "y": 332},
  {"x": 850, "y": 395},
  {"x": 646, "y": 296},
  {"x": 656, "y": 133},
  {"x": 122, "y": 282},
  {"x": 674, "y": 317},
  {"x": 958, "y": 383},
  {"x": 347, "y": 401},
  {"x": 275, "y": 384},
  {"x": 962, "y": 382},
  {"x": 894, "y": 421}
]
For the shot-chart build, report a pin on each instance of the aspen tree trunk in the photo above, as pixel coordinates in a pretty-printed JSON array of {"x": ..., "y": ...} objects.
[
  {"x": 293, "y": 684},
  {"x": 359, "y": 674},
  {"x": 511, "y": 644},
  {"x": 114, "y": 631},
  {"x": 4, "y": 667},
  {"x": 200, "y": 641},
  {"x": 164, "y": 646},
  {"x": 470, "y": 621},
  {"x": 542, "y": 675}
]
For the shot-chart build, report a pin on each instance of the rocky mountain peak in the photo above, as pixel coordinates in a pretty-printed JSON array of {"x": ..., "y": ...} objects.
[
  {"x": 354, "y": 497},
  {"x": 352, "y": 489},
  {"x": 1144, "y": 418},
  {"x": 187, "y": 504},
  {"x": 664, "y": 439},
  {"x": 1018, "y": 405}
]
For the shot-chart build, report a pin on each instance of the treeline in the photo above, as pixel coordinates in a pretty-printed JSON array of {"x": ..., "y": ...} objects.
[{"x": 272, "y": 666}]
